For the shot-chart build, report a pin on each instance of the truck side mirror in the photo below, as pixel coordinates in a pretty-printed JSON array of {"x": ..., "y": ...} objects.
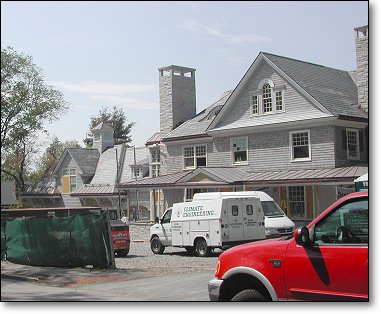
[
  {"x": 156, "y": 220},
  {"x": 302, "y": 236}
]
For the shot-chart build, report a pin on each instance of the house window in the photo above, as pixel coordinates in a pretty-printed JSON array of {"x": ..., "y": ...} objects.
[
  {"x": 155, "y": 162},
  {"x": 69, "y": 180},
  {"x": 195, "y": 156},
  {"x": 268, "y": 99},
  {"x": 155, "y": 171},
  {"x": 137, "y": 172},
  {"x": 239, "y": 149},
  {"x": 97, "y": 137},
  {"x": 296, "y": 201},
  {"x": 279, "y": 101},
  {"x": 353, "y": 147},
  {"x": 254, "y": 104},
  {"x": 300, "y": 145}
]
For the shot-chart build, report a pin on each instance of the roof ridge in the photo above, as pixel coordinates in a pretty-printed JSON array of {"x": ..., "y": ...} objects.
[{"x": 306, "y": 62}]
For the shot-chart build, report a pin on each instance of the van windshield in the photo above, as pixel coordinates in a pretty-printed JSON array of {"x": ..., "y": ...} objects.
[{"x": 270, "y": 208}]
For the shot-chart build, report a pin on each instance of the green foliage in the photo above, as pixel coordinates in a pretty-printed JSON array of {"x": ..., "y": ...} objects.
[
  {"x": 27, "y": 102},
  {"x": 115, "y": 119}
]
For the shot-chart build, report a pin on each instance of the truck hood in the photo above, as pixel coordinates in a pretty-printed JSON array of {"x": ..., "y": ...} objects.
[{"x": 257, "y": 255}]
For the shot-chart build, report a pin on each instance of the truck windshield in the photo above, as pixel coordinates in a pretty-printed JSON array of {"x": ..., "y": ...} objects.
[{"x": 270, "y": 208}]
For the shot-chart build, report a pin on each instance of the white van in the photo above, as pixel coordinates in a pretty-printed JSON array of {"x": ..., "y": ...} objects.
[
  {"x": 205, "y": 224},
  {"x": 277, "y": 224}
]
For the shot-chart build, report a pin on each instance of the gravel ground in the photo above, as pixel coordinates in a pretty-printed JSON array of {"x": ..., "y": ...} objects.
[{"x": 172, "y": 260}]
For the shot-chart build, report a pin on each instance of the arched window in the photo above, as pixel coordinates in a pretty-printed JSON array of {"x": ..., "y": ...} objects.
[{"x": 266, "y": 98}]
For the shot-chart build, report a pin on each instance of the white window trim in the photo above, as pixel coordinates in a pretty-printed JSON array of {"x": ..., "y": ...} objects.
[
  {"x": 291, "y": 146},
  {"x": 232, "y": 152},
  {"x": 305, "y": 203},
  {"x": 258, "y": 93},
  {"x": 357, "y": 157},
  {"x": 194, "y": 156}
]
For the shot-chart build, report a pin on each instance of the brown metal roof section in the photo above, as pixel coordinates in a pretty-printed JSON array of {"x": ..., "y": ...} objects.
[
  {"x": 234, "y": 176},
  {"x": 343, "y": 174},
  {"x": 162, "y": 181}
]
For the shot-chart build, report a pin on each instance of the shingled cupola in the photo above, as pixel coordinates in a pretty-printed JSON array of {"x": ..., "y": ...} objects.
[
  {"x": 103, "y": 137},
  {"x": 177, "y": 97}
]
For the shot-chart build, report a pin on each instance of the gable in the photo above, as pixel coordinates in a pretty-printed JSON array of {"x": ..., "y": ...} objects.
[{"x": 238, "y": 112}]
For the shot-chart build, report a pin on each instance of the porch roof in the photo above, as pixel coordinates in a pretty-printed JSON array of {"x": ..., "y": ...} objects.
[{"x": 230, "y": 176}]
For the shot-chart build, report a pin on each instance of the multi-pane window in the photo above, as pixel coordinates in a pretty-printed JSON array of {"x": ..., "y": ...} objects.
[
  {"x": 266, "y": 98},
  {"x": 239, "y": 148},
  {"x": 155, "y": 162},
  {"x": 296, "y": 201},
  {"x": 254, "y": 104},
  {"x": 278, "y": 101},
  {"x": 195, "y": 156},
  {"x": 69, "y": 180},
  {"x": 300, "y": 145},
  {"x": 353, "y": 148},
  {"x": 155, "y": 171}
]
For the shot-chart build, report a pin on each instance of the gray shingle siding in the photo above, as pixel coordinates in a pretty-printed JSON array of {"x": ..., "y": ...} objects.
[{"x": 267, "y": 151}]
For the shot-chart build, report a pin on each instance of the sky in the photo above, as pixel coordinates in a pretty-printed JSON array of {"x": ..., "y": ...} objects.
[{"x": 107, "y": 53}]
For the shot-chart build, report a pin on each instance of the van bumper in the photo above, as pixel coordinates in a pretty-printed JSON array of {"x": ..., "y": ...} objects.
[{"x": 214, "y": 289}]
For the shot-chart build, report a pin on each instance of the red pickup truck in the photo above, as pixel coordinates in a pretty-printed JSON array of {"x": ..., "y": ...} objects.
[{"x": 325, "y": 261}]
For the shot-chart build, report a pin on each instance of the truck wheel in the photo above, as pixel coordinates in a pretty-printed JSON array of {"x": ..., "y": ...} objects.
[
  {"x": 202, "y": 248},
  {"x": 248, "y": 295},
  {"x": 156, "y": 246}
]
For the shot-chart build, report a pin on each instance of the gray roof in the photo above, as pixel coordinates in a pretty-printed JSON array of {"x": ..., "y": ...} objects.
[
  {"x": 332, "y": 88},
  {"x": 47, "y": 186},
  {"x": 86, "y": 159},
  {"x": 198, "y": 125},
  {"x": 103, "y": 125}
]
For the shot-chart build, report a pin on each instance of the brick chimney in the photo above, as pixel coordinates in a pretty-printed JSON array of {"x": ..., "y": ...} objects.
[{"x": 361, "y": 34}]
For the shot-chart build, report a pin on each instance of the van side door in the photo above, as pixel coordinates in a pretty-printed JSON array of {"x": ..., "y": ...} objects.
[
  {"x": 235, "y": 219},
  {"x": 253, "y": 219}
]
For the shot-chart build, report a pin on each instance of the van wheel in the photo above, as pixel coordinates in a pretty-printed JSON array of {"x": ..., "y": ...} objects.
[
  {"x": 248, "y": 296},
  {"x": 156, "y": 246},
  {"x": 202, "y": 248}
]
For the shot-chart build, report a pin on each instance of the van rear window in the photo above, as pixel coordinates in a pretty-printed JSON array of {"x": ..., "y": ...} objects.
[{"x": 270, "y": 208}]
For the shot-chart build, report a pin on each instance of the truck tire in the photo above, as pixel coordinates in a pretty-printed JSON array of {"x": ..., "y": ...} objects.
[
  {"x": 249, "y": 295},
  {"x": 156, "y": 246},
  {"x": 202, "y": 248}
]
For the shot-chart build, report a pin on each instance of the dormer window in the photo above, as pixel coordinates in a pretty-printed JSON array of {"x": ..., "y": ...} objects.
[{"x": 268, "y": 99}]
